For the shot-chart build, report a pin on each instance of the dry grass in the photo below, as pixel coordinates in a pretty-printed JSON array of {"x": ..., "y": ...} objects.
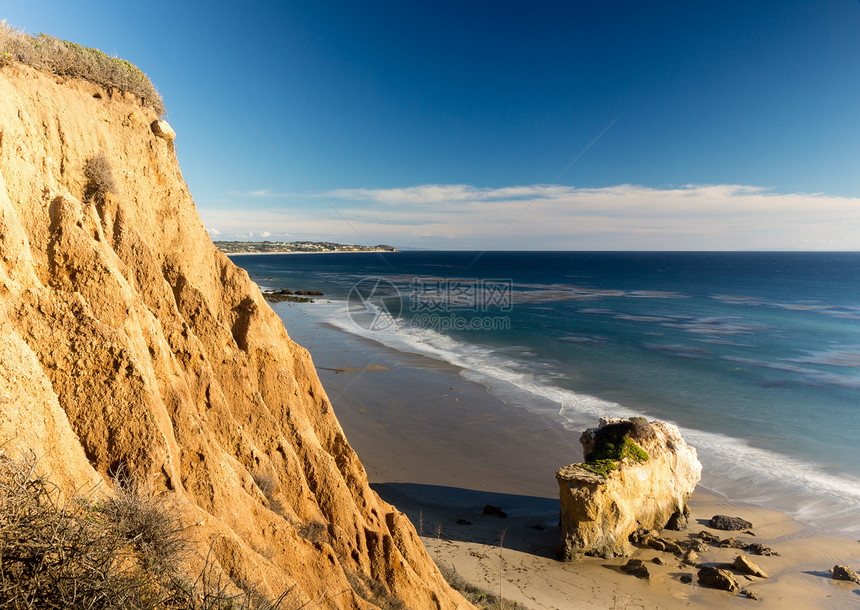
[
  {"x": 268, "y": 485},
  {"x": 65, "y": 58},
  {"x": 473, "y": 594},
  {"x": 374, "y": 592},
  {"x": 122, "y": 552}
]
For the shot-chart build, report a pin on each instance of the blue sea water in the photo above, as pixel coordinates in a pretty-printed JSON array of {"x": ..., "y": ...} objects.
[{"x": 755, "y": 356}]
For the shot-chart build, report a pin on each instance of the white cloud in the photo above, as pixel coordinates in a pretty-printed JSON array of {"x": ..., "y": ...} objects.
[
  {"x": 623, "y": 217},
  {"x": 265, "y": 234},
  {"x": 260, "y": 194},
  {"x": 213, "y": 231}
]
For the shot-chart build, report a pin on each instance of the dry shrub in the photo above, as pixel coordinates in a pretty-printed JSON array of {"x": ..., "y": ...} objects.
[
  {"x": 151, "y": 524},
  {"x": 65, "y": 58},
  {"x": 60, "y": 553},
  {"x": 99, "y": 175},
  {"x": 124, "y": 552},
  {"x": 313, "y": 531}
]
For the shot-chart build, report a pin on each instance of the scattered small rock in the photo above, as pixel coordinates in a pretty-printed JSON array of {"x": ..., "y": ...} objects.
[
  {"x": 760, "y": 549},
  {"x": 489, "y": 509},
  {"x": 750, "y": 532},
  {"x": 686, "y": 579},
  {"x": 723, "y": 522},
  {"x": 699, "y": 546},
  {"x": 844, "y": 573},
  {"x": 733, "y": 543},
  {"x": 749, "y": 594},
  {"x": 463, "y": 522},
  {"x": 709, "y": 537},
  {"x": 637, "y": 568},
  {"x": 658, "y": 561},
  {"x": 656, "y": 544},
  {"x": 745, "y": 565},
  {"x": 538, "y": 526},
  {"x": 691, "y": 558},
  {"x": 717, "y": 578},
  {"x": 659, "y": 543}
]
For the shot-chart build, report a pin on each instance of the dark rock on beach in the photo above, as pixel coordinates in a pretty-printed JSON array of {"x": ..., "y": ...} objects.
[
  {"x": 745, "y": 565},
  {"x": 718, "y": 578},
  {"x": 637, "y": 568},
  {"x": 760, "y": 549},
  {"x": 709, "y": 537},
  {"x": 844, "y": 573},
  {"x": 699, "y": 546},
  {"x": 691, "y": 558},
  {"x": 723, "y": 522},
  {"x": 733, "y": 543},
  {"x": 489, "y": 509}
]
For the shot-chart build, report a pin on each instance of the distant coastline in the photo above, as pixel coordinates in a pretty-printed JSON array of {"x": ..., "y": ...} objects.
[{"x": 295, "y": 247}]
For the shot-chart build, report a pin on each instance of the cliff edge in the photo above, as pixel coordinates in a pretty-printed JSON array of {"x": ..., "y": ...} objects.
[{"x": 128, "y": 342}]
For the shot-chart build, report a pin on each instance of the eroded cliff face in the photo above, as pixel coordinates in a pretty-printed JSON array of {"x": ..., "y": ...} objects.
[
  {"x": 127, "y": 341},
  {"x": 599, "y": 511}
]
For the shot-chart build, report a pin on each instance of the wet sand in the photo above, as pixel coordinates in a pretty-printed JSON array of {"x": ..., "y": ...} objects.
[{"x": 440, "y": 448}]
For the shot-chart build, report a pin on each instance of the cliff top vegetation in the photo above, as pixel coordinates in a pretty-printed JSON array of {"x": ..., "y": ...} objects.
[{"x": 69, "y": 59}]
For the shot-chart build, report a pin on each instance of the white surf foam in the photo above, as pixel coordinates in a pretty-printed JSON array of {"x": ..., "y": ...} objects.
[{"x": 732, "y": 466}]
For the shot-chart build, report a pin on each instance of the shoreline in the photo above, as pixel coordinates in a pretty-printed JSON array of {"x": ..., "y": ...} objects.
[
  {"x": 439, "y": 447},
  {"x": 293, "y": 252}
]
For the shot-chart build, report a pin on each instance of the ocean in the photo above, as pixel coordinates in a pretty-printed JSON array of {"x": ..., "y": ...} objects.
[{"x": 755, "y": 356}]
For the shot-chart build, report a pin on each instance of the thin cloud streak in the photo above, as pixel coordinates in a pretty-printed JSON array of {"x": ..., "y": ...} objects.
[{"x": 622, "y": 217}]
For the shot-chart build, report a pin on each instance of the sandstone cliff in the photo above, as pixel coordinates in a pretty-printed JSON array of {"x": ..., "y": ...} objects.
[
  {"x": 637, "y": 475},
  {"x": 127, "y": 341}
]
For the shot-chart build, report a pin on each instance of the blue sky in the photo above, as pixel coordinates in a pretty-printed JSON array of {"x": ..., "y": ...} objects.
[{"x": 557, "y": 125}]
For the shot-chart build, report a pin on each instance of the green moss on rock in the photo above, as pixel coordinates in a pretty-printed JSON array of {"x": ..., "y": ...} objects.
[
  {"x": 617, "y": 450},
  {"x": 601, "y": 467},
  {"x": 613, "y": 443}
]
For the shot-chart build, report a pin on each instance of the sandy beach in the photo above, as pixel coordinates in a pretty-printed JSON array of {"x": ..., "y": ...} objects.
[{"x": 440, "y": 448}]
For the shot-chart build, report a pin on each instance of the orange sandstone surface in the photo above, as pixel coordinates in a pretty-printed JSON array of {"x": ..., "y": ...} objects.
[{"x": 128, "y": 341}]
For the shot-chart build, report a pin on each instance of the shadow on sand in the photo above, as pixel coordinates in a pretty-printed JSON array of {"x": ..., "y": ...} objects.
[{"x": 531, "y": 524}]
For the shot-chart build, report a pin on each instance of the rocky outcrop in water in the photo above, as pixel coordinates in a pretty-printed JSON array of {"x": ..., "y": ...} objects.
[{"x": 637, "y": 476}]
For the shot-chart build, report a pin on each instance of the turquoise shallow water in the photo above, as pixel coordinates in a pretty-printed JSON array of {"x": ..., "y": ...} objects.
[{"x": 756, "y": 356}]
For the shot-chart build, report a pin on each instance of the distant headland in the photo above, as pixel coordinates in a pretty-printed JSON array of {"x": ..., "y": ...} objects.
[{"x": 295, "y": 247}]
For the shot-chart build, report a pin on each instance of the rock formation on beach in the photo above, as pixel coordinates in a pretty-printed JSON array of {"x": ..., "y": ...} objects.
[
  {"x": 636, "y": 476},
  {"x": 128, "y": 342}
]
